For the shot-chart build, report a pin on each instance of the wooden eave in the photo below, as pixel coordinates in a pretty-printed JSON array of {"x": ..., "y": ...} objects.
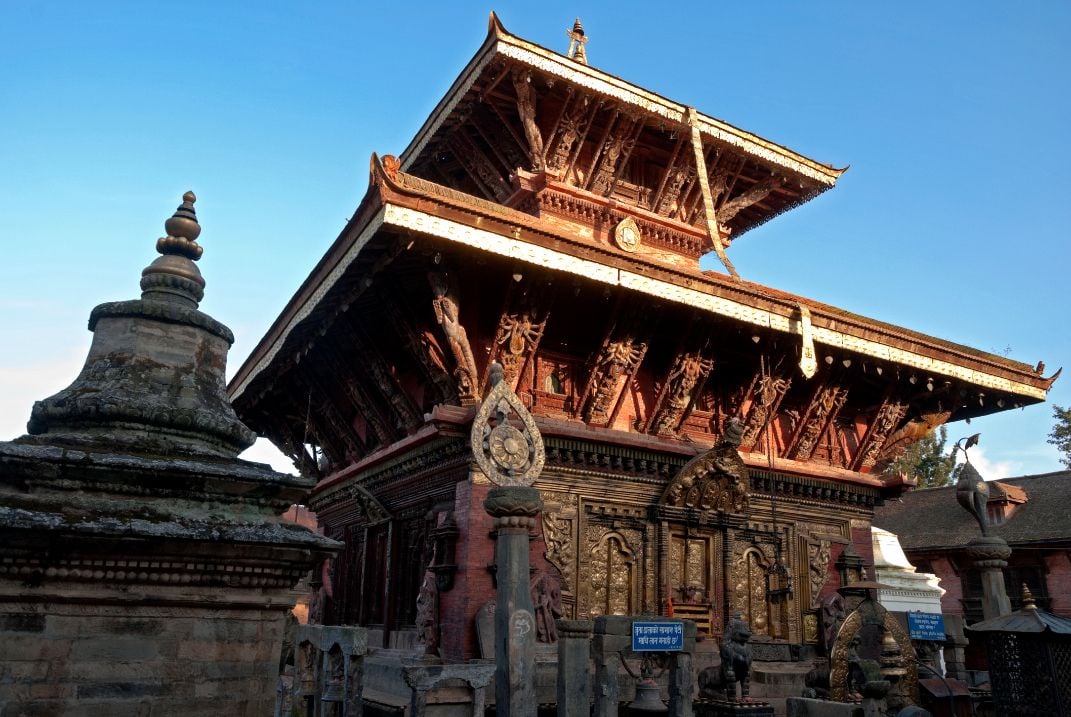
[
  {"x": 407, "y": 204},
  {"x": 812, "y": 177}
]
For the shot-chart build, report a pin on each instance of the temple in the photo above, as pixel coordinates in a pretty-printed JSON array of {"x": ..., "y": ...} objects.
[{"x": 712, "y": 445}]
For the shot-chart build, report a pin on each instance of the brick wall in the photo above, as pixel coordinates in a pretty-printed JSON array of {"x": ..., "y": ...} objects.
[
  {"x": 952, "y": 600},
  {"x": 119, "y": 660},
  {"x": 1058, "y": 582}
]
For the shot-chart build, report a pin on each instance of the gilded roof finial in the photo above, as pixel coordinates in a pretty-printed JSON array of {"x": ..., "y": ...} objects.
[
  {"x": 182, "y": 231},
  {"x": 174, "y": 277},
  {"x": 1028, "y": 599},
  {"x": 577, "y": 39}
]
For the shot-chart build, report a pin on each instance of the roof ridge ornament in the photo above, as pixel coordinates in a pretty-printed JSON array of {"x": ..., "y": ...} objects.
[
  {"x": 577, "y": 40},
  {"x": 506, "y": 455}
]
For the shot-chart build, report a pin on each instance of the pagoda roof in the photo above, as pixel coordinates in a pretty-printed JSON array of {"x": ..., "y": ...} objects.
[
  {"x": 803, "y": 178},
  {"x": 405, "y": 204}
]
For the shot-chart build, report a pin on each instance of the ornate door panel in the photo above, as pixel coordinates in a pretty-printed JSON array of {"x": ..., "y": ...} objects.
[
  {"x": 693, "y": 562},
  {"x": 610, "y": 584},
  {"x": 749, "y": 590}
]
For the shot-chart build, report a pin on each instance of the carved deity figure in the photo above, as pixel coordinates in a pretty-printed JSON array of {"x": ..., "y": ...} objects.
[
  {"x": 448, "y": 316},
  {"x": 547, "y": 602},
  {"x": 517, "y": 335},
  {"x": 818, "y": 556},
  {"x": 832, "y": 616},
  {"x": 681, "y": 382},
  {"x": 427, "y": 614},
  {"x": 736, "y": 657},
  {"x": 616, "y": 360}
]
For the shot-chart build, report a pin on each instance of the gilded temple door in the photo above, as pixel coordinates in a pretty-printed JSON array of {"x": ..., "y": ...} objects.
[
  {"x": 749, "y": 591},
  {"x": 694, "y": 561}
]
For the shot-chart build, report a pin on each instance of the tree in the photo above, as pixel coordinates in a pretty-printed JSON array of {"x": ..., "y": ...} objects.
[
  {"x": 1061, "y": 433},
  {"x": 927, "y": 461}
]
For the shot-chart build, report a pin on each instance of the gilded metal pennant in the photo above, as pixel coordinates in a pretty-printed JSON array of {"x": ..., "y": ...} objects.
[
  {"x": 808, "y": 358},
  {"x": 507, "y": 456}
]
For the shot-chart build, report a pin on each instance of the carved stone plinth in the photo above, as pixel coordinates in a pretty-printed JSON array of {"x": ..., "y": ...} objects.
[
  {"x": 514, "y": 509},
  {"x": 574, "y": 682},
  {"x": 990, "y": 555}
]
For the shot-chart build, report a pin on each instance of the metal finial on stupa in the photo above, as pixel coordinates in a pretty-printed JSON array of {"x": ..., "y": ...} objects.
[
  {"x": 577, "y": 38},
  {"x": 173, "y": 277},
  {"x": 1028, "y": 599}
]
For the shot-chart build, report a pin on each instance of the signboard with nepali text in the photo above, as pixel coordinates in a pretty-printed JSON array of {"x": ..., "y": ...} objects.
[
  {"x": 657, "y": 636},
  {"x": 926, "y": 626}
]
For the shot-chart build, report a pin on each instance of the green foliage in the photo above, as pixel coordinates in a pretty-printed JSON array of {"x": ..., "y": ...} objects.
[
  {"x": 927, "y": 461},
  {"x": 1061, "y": 433}
]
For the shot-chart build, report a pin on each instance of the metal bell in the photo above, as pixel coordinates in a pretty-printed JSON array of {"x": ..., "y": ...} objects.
[{"x": 648, "y": 698}]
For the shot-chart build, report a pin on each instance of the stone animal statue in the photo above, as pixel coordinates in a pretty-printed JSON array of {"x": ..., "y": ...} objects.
[{"x": 720, "y": 682}]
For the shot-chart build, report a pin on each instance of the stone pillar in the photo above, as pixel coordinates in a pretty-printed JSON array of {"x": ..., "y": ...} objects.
[
  {"x": 574, "y": 677},
  {"x": 512, "y": 459},
  {"x": 514, "y": 509},
  {"x": 990, "y": 556}
]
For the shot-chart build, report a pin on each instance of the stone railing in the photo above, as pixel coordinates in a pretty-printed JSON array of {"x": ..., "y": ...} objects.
[{"x": 328, "y": 670}]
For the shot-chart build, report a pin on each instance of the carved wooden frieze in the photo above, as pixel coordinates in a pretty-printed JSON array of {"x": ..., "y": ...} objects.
[
  {"x": 479, "y": 167},
  {"x": 884, "y": 424},
  {"x": 907, "y": 434},
  {"x": 425, "y": 349},
  {"x": 560, "y": 533},
  {"x": 823, "y": 409},
  {"x": 516, "y": 340},
  {"x": 447, "y": 313},
  {"x": 614, "y": 154},
  {"x": 572, "y": 129},
  {"x": 769, "y": 390},
  {"x": 818, "y": 556},
  {"x": 756, "y": 193},
  {"x": 526, "y": 109},
  {"x": 679, "y": 390},
  {"x": 615, "y": 363}
]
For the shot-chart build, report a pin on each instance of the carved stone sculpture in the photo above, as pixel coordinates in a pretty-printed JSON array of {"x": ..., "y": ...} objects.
[
  {"x": 427, "y": 616},
  {"x": 547, "y": 601},
  {"x": 736, "y": 657},
  {"x": 972, "y": 492}
]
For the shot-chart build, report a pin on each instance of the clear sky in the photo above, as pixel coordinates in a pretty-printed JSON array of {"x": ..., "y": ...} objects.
[{"x": 953, "y": 220}]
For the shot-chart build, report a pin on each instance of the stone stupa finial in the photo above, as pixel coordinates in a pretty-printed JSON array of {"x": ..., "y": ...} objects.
[{"x": 173, "y": 277}]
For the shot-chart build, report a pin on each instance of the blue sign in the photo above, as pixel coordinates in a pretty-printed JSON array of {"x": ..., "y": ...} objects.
[
  {"x": 658, "y": 636},
  {"x": 926, "y": 626}
]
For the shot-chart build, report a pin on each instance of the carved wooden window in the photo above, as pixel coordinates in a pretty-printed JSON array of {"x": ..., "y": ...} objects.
[
  {"x": 556, "y": 382},
  {"x": 613, "y": 569}
]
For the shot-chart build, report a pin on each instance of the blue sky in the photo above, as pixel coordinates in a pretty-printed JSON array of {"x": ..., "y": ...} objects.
[{"x": 953, "y": 220}]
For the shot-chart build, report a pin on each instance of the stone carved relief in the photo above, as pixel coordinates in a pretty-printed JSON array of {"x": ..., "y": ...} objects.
[
  {"x": 689, "y": 371},
  {"x": 715, "y": 480},
  {"x": 448, "y": 315},
  {"x": 508, "y": 456},
  {"x": 615, "y": 363},
  {"x": 862, "y": 630},
  {"x": 769, "y": 390},
  {"x": 818, "y": 556},
  {"x": 546, "y": 596},
  {"x": 559, "y": 533},
  {"x": 427, "y": 614}
]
